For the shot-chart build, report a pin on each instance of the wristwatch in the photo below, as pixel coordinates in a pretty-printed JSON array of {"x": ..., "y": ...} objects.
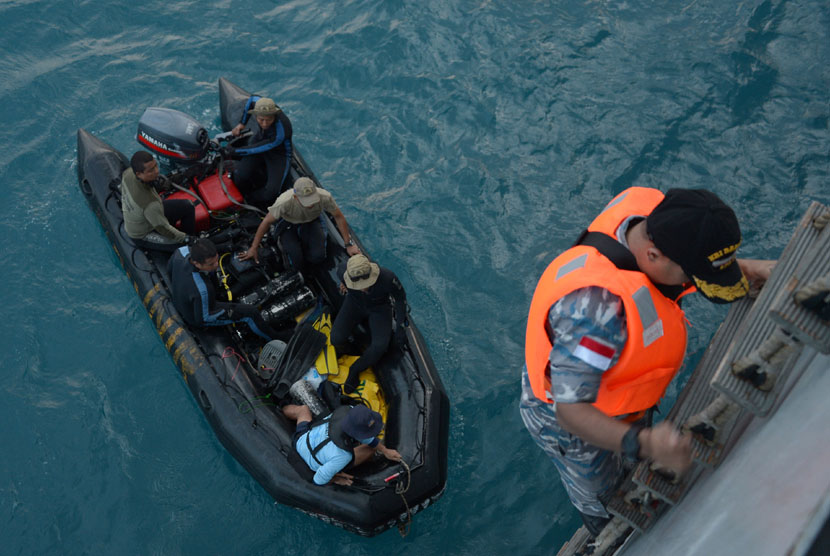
[
  {"x": 631, "y": 444},
  {"x": 349, "y": 243}
]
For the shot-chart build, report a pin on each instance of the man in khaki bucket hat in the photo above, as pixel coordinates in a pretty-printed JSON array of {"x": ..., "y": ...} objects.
[
  {"x": 260, "y": 174},
  {"x": 370, "y": 290},
  {"x": 298, "y": 214}
]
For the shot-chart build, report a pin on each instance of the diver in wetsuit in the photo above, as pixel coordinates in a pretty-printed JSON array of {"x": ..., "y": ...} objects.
[
  {"x": 368, "y": 289},
  {"x": 194, "y": 294},
  {"x": 265, "y": 160}
]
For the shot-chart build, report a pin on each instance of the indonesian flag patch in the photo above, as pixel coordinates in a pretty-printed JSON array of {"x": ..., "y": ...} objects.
[{"x": 597, "y": 353}]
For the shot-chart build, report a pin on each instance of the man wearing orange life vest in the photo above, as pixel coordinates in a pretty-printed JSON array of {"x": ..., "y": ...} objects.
[{"x": 606, "y": 334}]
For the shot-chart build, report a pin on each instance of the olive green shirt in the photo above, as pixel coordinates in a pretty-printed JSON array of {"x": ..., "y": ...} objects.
[
  {"x": 289, "y": 208},
  {"x": 143, "y": 209}
]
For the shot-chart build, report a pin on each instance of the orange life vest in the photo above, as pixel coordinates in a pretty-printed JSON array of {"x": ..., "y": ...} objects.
[{"x": 656, "y": 324}]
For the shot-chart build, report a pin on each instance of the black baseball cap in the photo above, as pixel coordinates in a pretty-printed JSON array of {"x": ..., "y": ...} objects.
[{"x": 698, "y": 231}]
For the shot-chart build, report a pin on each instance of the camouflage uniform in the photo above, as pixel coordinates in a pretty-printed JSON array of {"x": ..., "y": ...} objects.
[{"x": 586, "y": 471}]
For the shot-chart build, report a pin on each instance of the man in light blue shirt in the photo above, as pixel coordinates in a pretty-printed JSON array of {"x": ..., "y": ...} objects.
[{"x": 345, "y": 438}]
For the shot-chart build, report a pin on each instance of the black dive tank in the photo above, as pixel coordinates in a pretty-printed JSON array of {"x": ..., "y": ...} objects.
[
  {"x": 277, "y": 287},
  {"x": 172, "y": 134},
  {"x": 282, "y": 312}
]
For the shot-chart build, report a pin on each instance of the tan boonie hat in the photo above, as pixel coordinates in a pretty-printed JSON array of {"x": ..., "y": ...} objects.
[
  {"x": 306, "y": 192},
  {"x": 264, "y": 107},
  {"x": 360, "y": 273}
]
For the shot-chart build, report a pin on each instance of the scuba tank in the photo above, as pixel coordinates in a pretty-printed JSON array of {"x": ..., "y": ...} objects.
[
  {"x": 283, "y": 311},
  {"x": 305, "y": 393},
  {"x": 277, "y": 287}
]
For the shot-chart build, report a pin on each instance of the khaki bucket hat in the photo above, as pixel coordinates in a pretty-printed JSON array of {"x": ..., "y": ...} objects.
[
  {"x": 264, "y": 107},
  {"x": 360, "y": 273}
]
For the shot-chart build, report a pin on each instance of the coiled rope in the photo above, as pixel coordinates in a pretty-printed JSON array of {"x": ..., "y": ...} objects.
[{"x": 821, "y": 220}]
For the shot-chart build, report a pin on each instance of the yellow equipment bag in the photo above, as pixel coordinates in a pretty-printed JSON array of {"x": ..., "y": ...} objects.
[{"x": 336, "y": 369}]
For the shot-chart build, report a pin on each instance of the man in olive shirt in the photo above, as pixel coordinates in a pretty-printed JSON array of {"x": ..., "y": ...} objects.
[
  {"x": 304, "y": 234},
  {"x": 146, "y": 217}
]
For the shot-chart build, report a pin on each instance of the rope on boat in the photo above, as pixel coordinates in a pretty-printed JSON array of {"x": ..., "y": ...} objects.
[
  {"x": 819, "y": 285},
  {"x": 815, "y": 297},
  {"x": 759, "y": 366},
  {"x": 821, "y": 220},
  {"x": 404, "y": 526},
  {"x": 611, "y": 537},
  {"x": 225, "y": 275},
  {"x": 707, "y": 424}
]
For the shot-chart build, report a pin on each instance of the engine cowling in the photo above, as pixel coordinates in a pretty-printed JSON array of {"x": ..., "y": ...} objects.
[{"x": 173, "y": 135}]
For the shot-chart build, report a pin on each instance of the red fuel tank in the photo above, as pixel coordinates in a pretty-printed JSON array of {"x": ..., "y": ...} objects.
[
  {"x": 214, "y": 196},
  {"x": 202, "y": 217}
]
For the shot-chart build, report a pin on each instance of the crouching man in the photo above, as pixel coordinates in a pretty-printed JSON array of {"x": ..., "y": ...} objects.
[{"x": 343, "y": 440}]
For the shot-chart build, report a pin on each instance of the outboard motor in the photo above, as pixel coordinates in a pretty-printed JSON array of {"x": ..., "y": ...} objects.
[{"x": 173, "y": 135}]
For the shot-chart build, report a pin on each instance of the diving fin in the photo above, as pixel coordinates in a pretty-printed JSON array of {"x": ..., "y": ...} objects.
[
  {"x": 299, "y": 355},
  {"x": 327, "y": 360}
]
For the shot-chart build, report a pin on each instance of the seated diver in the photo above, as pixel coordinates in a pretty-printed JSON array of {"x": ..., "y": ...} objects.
[
  {"x": 146, "y": 217},
  {"x": 266, "y": 158},
  {"x": 191, "y": 269},
  {"x": 368, "y": 289},
  {"x": 346, "y": 438}
]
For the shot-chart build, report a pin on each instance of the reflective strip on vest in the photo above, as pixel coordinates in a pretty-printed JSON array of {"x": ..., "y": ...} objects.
[
  {"x": 656, "y": 335},
  {"x": 567, "y": 268},
  {"x": 615, "y": 201},
  {"x": 652, "y": 325}
]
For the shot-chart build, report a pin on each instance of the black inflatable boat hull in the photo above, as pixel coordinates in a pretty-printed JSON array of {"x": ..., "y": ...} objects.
[{"x": 244, "y": 420}]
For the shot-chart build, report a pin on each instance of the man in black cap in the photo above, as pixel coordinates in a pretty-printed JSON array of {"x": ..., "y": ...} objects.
[
  {"x": 344, "y": 439},
  {"x": 606, "y": 334}
]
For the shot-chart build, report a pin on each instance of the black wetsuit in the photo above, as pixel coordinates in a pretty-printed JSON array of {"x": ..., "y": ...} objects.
[
  {"x": 260, "y": 174},
  {"x": 372, "y": 306},
  {"x": 194, "y": 296}
]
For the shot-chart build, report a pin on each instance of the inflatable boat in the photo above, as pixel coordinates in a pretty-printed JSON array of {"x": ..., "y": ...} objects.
[{"x": 240, "y": 381}]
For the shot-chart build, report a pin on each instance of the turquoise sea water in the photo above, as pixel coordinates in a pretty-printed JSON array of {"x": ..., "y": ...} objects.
[{"x": 467, "y": 144}]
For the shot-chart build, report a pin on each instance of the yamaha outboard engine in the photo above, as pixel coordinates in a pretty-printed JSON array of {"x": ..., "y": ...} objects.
[{"x": 173, "y": 135}]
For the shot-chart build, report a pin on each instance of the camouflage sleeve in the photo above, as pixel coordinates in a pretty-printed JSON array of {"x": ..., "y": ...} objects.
[{"x": 588, "y": 332}]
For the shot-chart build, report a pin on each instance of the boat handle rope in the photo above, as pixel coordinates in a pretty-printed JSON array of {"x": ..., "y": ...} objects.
[{"x": 404, "y": 526}]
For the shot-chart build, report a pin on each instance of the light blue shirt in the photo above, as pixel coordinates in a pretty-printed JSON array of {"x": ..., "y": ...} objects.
[{"x": 334, "y": 458}]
